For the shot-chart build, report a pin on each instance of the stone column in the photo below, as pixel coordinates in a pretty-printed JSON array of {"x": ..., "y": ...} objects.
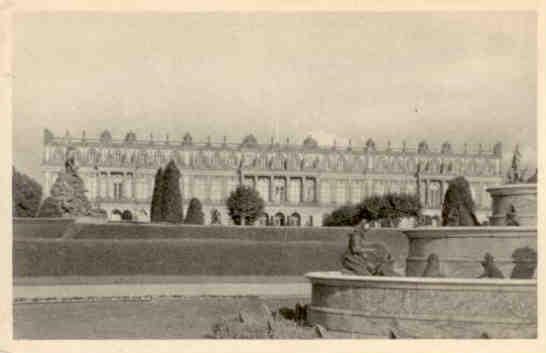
[
  {"x": 224, "y": 188},
  {"x": 270, "y": 188},
  {"x": 317, "y": 191},
  {"x": 133, "y": 186},
  {"x": 108, "y": 186},
  {"x": 427, "y": 193}
]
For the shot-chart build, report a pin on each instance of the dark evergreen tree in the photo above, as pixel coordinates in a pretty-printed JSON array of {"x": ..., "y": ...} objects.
[
  {"x": 155, "y": 208},
  {"x": 195, "y": 214},
  {"x": 171, "y": 198},
  {"x": 245, "y": 205},
  {"x": 26, "y": 195}
]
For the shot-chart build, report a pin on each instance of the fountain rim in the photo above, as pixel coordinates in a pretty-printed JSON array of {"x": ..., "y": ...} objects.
[
  {"x": 467, "y": 232},
  {"x": 336, "y": 277},
  {"x": 519, "y": 186}
]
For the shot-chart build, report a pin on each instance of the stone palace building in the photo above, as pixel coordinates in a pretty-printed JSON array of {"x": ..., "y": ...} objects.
[{"x": 300, "y": 183}]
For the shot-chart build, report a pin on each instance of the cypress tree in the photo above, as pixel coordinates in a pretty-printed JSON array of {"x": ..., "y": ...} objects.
[
  {"x": 155, "y": 209},
  {"x": 171, "y": 198},
  {"x": 195, "y": 214}
]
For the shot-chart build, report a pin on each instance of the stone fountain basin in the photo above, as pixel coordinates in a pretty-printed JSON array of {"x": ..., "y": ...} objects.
[
  {"x": 461, "y": 249},
  {"x": 370, "y": 307}
]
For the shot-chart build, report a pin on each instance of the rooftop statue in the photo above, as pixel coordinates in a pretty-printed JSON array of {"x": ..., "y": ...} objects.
[{"x": 515, "y": 174}]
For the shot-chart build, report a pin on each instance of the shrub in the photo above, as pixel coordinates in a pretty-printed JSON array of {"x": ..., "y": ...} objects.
[
  {"x": 387, "y": 209},
  {"x": 195, "y": 214},
  {"x": 26, "y": 195},
  {"x": 344, "y": 216},
  {"x": 171, "y": 198},
  {"x": 245, "y": 205},
  {"x": 155, "y": 209}
]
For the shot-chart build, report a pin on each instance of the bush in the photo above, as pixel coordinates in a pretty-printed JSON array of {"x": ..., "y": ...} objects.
[
  {"x": 26, "y": 195},
  {"x": 345, "y": 216},
  {"x": 195, "y": 214},
  {"x": 245, "y": 205},
  {"x": 388, "y": 209},
  {"x": 171, "y": 198},
  {"x": 155, "y": 208}
]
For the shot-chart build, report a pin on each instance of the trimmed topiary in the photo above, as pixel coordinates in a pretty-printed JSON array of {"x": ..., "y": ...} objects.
[
  {"x": 195, "y": 214},
  {"x": 26, "y": 195},
  {"x": 171, "y": 198},
  {"x": 245, "y": 205},
  {"x": 458, "y": 206}
]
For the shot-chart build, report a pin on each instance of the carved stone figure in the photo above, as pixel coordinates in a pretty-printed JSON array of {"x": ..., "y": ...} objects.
[
  {"x": 516, "y": 174},
  {"x": 67, "y": 196},
  {"x": 490, "y": 269},
  {"x": 458, "y": 206},
  {"x": 367, "y": 258},
  {"x": 512, "y": 217},
  {"x": 433, "y": 267}
]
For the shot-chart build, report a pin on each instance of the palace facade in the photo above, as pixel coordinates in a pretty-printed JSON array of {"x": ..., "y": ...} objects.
[{"x": 300, "y": 183}]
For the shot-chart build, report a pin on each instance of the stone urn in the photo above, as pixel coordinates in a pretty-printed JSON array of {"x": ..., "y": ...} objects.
[{"x": 514, "y": 204}]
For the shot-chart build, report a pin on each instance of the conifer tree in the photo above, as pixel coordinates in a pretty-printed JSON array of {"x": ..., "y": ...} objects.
[
  {"x": 195, "y": 214},
  {"x": 171, "y": 198},
  {"x": 155, "y": 209}
]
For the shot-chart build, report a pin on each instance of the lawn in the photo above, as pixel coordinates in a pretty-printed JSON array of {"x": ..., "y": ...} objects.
[{"x": 190, "y": 317}]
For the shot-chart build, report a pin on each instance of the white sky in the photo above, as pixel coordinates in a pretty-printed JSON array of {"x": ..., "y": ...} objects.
[{"x": 470, "y": 76}]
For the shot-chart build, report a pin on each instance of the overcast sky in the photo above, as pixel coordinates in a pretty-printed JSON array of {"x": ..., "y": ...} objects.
[{"x": 463, "y": 77}]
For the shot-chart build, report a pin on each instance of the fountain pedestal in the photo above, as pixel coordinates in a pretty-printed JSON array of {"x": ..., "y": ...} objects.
[{"x": 523, "y": 199}]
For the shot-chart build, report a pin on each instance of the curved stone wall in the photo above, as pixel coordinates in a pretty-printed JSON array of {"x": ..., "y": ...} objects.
[
  {"x": 461, "y": 249},
  {"x": 360, "y": 307}
]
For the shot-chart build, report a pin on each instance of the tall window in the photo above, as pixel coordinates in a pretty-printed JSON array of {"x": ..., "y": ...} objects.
[
  {"x": 263, "y": 188},
  {"x": 186, "y": 189},
  {"x": 199, "y": 187},
  {"x": 232, "y": 184},
  {"x": 356, "y": 191},
  {"x": 279, "y": 190},
  {"x": 325, "y": 192},
  {"x": 295, "y": 190},
  {"x": 310, "y": 185},
  {"x": 341, "y": 191},
  {"x": 216, "y": 189},
  {"x": 118, "y": 190}
]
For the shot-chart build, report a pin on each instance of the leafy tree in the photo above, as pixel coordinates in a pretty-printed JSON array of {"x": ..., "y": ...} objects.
[
  {"x": 245, "y": 205},
  {"x": 195, "y": 214},
  {"x": 171, "y": 198},
  {"x": 26, "y": 195},
  {"x": 155, "y": 208}
]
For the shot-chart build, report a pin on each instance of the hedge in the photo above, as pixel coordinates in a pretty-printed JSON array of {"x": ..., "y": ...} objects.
[
  {"x": 40, "y": 227},
  {"x": 47, "y": 257},
  {"x": 212, "y": 257},
  {"x": 162, "y": 231}
]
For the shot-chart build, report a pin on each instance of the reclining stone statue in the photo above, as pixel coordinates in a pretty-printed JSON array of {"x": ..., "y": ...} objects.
[{"x": 367, "y": 258}]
